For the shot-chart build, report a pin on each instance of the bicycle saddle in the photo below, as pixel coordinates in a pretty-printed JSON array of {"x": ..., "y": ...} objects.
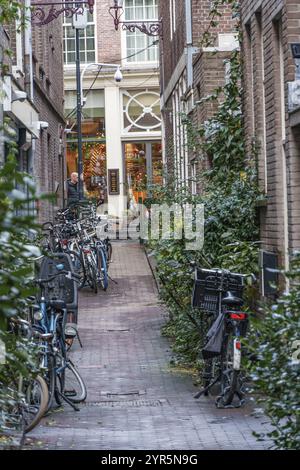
[{"x": 231, "y": 299}]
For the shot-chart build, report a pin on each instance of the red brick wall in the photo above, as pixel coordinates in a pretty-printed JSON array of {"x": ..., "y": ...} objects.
[
  {"x": 108, "y": 40},
  {"x": 49, "y": 101},
  {"x": 208, "y": 69},
  {"x": 272, "y": 217}
]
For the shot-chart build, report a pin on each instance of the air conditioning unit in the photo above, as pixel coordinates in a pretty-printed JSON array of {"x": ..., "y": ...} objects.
[{"x": 294, "y": 95}]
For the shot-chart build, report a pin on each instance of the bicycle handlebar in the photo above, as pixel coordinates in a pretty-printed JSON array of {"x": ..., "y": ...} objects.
[
  {"x": 67, "y": 274},
  {"x": 224, "y": 272}
]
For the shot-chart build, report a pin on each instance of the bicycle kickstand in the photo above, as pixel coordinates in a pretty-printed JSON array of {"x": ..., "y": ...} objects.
[
  {"x": 79, "y": 340},
  {"x": 113, "y": 280},
  {"x": 68, "y": 401},
  {"x": 204, "y": 390}
]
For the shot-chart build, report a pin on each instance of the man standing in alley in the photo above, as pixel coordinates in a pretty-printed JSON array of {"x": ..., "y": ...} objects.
[{"x": 72, "y": 189}]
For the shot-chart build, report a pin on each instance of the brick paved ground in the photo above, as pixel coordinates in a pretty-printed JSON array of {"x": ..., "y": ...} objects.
[{"x": 134, "y": 400}]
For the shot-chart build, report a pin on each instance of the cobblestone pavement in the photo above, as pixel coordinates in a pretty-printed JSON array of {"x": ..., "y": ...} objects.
[{"x": 135, "y": 401}]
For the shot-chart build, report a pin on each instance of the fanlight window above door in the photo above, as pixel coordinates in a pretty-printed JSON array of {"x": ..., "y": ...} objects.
[{"x": 141, "y": 111}]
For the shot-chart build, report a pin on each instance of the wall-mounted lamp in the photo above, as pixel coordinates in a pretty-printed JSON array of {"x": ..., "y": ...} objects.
[
  {"x": 18, "y": 95},
  {"x": 42, "y": 125}
]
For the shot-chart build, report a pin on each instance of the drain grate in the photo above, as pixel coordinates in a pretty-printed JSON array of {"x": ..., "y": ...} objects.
[
  {"x": 222, "y": 420},
  {"x": 128, "y": 404},
  {"x": 123, "y": 394}
]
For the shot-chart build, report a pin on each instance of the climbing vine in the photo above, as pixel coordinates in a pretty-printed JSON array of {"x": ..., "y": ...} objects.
[{"x": 230, "y": 195}]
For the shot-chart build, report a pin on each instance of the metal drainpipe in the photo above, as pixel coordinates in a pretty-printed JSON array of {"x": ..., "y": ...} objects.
[
  {"x": 28, "y": 46},
  {"x": 29, "y": 71},
  {"x": 189, "y": 42}
]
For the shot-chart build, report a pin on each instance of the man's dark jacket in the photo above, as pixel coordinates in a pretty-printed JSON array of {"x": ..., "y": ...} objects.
[{"x": 72, "y": 192}]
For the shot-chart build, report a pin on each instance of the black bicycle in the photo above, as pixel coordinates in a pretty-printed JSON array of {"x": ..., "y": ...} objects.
[{"x": 219, "y": 294}]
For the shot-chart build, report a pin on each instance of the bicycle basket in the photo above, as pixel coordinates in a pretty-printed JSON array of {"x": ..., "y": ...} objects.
[
  {"x": 209, "y": 283},
  {"x": 61, "y": 288}
]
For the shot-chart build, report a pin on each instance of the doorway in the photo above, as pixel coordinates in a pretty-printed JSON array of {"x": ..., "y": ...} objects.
[{"x": 143, "y": 168}]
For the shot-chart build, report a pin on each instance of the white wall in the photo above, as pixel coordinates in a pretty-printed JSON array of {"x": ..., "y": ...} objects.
[{"x": 113, "y": 111}]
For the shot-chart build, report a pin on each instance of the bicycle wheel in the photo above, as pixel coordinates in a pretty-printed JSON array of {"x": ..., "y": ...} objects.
[
  {"x": 78, "y": 266},
  {"x": 36, "y": 398},
  {"x": 50, "y": 377},
  {"x": 230, "y": 378},
  {"x": 71, "y": 384},
  {"x": 210, "y": 373},
  {"x": 102, "y": 268},
  {"x": 91, "y": 270},
  {"x": 109, "y": 252}
]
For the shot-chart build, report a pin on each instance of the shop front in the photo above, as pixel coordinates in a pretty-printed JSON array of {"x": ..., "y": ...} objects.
[
  {"x": 122, "y": 151},
  {"x": 93, "y": 144}
]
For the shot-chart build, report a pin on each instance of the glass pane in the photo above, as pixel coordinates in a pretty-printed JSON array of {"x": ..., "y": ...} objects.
[
  {"x": 71, "y": 57},
  {"x": 69, "y": 32},
  {"x": 157, "y": 164},
  {"x": 136, "y": 173},
  {"x": 90, "y": 17},
  {"x": 91, "y": 56},
  {"x": 90, "y": 31},
  {"x": 71, "y": 45},
  {"x": 90, "y": 44}
]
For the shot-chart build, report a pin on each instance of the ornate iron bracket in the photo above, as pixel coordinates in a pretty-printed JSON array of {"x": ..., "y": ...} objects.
[
  {"x": 45, "y": 13},
  {"x": 148, "y": 27}
]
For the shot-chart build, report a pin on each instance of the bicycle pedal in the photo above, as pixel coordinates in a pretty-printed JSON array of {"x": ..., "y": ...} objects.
[
  {"x": 70, "y": 393},
  {"x": 206, "y": 375}
]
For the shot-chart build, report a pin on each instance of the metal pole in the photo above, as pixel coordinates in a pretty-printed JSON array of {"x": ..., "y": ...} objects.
[{"x": 79, "y": 131}]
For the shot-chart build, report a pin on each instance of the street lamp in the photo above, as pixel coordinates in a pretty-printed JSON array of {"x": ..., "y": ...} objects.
[
  {"x": 42, "y": 14},
  {"x": 118, "y": 75},
  {"x": 148, "y": 27}
]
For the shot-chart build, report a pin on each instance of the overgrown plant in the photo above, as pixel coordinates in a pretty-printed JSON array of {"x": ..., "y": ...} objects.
[
  {"x": 229, "y": 193},
  {"x": 17, "y": 226},
  {"x": 276, "y": 372}
]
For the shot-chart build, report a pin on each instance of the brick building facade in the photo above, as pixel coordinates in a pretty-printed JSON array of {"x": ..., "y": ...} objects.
[
  {"x": 34, "y": 99},
  {"x": 190, "y": 71},
  {"x": 272, "y": 116},
  {"x": 121, "y": 120}
]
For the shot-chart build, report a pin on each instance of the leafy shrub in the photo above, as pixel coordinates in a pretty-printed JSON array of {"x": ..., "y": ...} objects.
[
  {"x": 17, "y": 226},
  {"x": 276, "y": 373}
]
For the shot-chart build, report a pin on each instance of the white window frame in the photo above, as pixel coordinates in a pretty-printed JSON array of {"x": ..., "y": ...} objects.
[
  {"x": 94, "y": 23},
  {"x": 126, "y": 62},
  {"x": 194, "y": 176},
  {"x": 173, "y": 23},
  {"x": 142, "y": 135}
]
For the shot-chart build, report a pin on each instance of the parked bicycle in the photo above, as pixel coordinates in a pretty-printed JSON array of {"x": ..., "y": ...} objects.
[{"x": 219, "y": 294}]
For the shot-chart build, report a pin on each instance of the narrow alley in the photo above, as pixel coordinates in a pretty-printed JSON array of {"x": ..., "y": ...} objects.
[{"x": 135, "y": 400}]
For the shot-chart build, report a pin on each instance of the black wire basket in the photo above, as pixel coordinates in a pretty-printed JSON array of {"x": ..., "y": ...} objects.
[
  {"x": 61, "y": 288},
  {"x": 209, "y": 283}
]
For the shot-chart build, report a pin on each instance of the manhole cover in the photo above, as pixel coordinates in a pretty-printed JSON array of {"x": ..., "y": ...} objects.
[{"x": 128, "y": 404}]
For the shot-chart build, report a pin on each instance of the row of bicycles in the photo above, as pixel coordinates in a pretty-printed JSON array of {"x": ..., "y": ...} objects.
[
  {"x": 82, "y": 234},
  {"x": 76, "y": 253}
]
